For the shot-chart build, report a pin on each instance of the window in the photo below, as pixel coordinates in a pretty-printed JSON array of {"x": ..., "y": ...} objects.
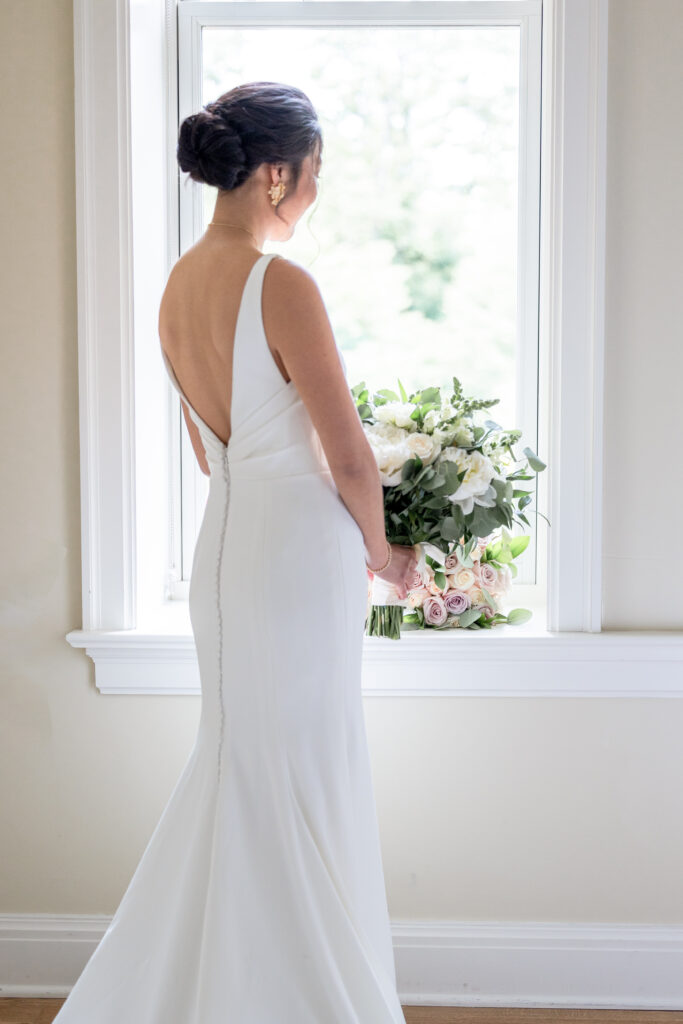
[
  {"x": 139, "y": 77},
  {"x": 431, "y": 191}
]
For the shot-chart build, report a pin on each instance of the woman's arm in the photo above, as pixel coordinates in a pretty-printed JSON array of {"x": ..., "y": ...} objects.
[{"x": 298, "y": 329}]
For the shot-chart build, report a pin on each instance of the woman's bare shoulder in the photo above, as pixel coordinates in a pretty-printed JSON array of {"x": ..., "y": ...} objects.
[
  {"x": 294, "y": 313},
  {"x": 288, "y": 276}
]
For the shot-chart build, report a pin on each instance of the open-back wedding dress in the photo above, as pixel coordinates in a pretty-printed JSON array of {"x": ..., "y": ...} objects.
[{"x": 260, "y": 896}]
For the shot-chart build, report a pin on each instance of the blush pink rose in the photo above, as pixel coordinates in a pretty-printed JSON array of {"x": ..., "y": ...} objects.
[
  {"x": 451, "y": 563},
  {"x": 456, "y": 601},
  {"x": 488, "y": 576},
  {"x": 434, "y": 611}
]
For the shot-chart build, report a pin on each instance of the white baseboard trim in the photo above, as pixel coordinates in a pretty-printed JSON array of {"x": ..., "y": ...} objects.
[
  {"x": 464, "y": 963},
  {"x": 517, "y": 964},
  {"x": 42, "y": 955}
]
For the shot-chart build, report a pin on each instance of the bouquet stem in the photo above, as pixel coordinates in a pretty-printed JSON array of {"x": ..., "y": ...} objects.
[{"x": 384, "y": 620}]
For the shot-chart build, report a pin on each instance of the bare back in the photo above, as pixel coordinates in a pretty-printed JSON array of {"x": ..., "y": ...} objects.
[{"x": 197, "y": 324}]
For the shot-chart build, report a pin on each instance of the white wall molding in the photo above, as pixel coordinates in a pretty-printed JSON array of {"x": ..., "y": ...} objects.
[
  {"x": 449, "y": 963},
  {"x": 573, "y": 184},
  {"x": 449, "y": 664},
  {"x": 105, "y": 338}
]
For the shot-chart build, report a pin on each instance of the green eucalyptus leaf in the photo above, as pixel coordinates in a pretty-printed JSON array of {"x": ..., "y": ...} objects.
[
  {"x": 434, "y": 482},
  {"x": 469, "y": 616},
  {"x": 518, "y": 615},
  {"x": 409, "y": 469},
  {"x": 536, "y": 464},
  {"x": 450, "y": 529}
]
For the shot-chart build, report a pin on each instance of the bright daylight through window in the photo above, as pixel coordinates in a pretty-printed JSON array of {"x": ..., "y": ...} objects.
[{"x": 414, "y": 238}]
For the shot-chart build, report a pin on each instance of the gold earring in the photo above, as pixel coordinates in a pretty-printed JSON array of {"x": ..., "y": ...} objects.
[{"x": 277, "y": 192}]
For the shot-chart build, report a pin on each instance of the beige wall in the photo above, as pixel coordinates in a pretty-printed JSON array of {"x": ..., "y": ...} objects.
[
  {"x": 643, "y": 493},
  {"x": 498, "y": 809},
  {"x": 83, "y": 777}
]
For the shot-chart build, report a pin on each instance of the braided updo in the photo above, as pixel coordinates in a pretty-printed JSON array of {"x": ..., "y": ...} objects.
[{"x": 254, "y": 123}]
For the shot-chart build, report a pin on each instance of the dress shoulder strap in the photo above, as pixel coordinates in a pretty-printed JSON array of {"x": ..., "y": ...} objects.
[{"x": 256, "y": 376}]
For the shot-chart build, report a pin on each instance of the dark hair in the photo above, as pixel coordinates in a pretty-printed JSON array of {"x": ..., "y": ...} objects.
[{"x": 251, "y": 124}]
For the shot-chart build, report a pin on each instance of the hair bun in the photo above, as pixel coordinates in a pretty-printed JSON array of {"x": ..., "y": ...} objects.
[
  {"x": 254, "y": 123},
  {"x": 210, "y": 150}
]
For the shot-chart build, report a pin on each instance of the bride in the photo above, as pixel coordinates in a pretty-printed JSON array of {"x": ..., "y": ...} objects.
[{"x": 260, "y": 896}]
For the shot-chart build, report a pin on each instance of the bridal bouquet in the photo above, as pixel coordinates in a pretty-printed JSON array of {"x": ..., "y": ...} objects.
[{"x": 450, "y": 491}]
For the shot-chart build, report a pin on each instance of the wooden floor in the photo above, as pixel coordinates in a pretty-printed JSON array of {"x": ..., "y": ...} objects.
[{"x": 44, "y": 1011}]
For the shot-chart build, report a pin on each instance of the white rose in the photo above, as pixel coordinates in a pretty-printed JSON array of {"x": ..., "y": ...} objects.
[
  {"x": 389, "y": 446},
  {"x": 424, "y": 446},
  {"x": 463, "y": 580},
  {"x": 444, "y": 435},
  {"x": 386, "y": 431},
  {"x": 397, "y": 413}
]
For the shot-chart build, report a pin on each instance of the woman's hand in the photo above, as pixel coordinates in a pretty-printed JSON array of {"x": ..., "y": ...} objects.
[{"x": 400, "y": 569}]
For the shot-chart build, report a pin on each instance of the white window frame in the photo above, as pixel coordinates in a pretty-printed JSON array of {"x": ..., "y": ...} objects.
[
  {"x": 125, "y": 49},
  {"x": 196, "y": 15}
]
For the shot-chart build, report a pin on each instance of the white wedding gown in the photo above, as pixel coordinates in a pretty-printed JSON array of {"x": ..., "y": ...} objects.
[{"x": 260, "y": 896}]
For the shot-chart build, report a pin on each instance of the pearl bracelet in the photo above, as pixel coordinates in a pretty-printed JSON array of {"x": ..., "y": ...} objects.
[{"x": 382, "y": 567}]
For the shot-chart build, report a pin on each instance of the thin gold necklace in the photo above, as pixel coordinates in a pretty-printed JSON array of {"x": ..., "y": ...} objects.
[{"x": 226, "y": 224}]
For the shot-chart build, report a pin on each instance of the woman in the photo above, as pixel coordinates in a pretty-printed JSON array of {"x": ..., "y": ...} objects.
[{"x": 260, "y": 897}]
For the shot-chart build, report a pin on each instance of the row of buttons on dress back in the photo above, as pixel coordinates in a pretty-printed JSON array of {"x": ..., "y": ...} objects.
[{"x": 221, "y": 725}]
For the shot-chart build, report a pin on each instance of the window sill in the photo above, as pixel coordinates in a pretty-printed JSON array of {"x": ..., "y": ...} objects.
[{"x": 506, "y": 661}]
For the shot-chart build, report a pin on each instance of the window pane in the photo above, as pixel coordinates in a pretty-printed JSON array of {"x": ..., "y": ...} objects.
[{"x": 413, "y": 238}]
